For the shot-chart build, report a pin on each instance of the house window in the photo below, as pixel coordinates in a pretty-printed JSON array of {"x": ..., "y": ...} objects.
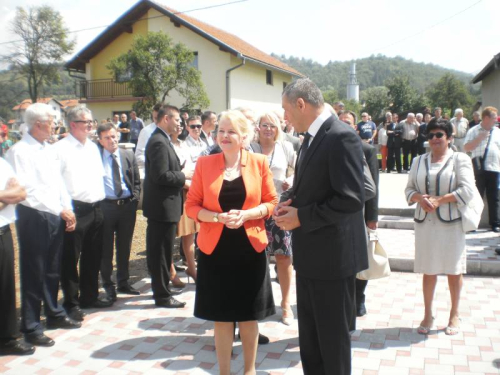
[
  {"x": 194, "y": 63},
  {"x": 269, "y": 77}
]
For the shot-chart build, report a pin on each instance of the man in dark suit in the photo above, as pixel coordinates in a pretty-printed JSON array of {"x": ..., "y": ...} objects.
[
  {"x": 324, "y": 210},
  {"x": 122, "y": 185},
  {"x": 162, "y": 203},
  {"x": 371, "y": 209}
]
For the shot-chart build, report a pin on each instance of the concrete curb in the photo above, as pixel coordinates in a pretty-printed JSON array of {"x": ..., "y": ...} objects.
[{"x": 474, "y": 267}]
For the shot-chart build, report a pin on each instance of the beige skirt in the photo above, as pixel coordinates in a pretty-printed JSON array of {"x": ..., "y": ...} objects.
[{"x": 186, "y": 225}]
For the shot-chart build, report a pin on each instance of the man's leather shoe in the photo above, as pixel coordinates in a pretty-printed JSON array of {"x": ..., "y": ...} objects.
[
  {"x": 62, "y": 322},
  {"x": 99, "y": 303},
  {"x": 16, "y": 347},
  {"x": 263, "y": 340},
  {"x": 128, "y": 289},
  {"x": 76, "y": 314},
  {"x": 361, "y": 310},
  {"x": 496, "y": 229},
  {"x": 171, "y": 303},
  {"x": 38, "y": 339},
  {"x": 111, "y": 293}
]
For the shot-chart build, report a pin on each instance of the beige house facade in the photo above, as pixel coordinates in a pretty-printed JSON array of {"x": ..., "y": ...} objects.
[
  {"x": 234, "y": 73},
  {"x": 489, "y": 77}
]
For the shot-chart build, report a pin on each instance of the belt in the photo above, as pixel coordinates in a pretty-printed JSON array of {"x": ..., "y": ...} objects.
[
  {"x": 119, "y": 202},
  {"x": 85, "y": 204},
  {"x": 5, "y": 229}
]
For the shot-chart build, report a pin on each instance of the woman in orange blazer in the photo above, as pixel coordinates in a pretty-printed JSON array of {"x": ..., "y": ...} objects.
[{"x": 231, "y": 195}]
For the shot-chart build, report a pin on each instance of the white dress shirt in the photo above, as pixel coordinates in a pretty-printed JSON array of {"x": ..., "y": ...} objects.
[
  {"x": 82, "y": 169},
  {"x": 492, "y": 162},
  {"x": 38, "y": 169},
  {"x": 461, "y": 127},
  {"x": 314, "y": 128},
  {"x": 8, "y": 213},
  {"x": 208, "y": 137},
  {"x": 140, "y": 149}
]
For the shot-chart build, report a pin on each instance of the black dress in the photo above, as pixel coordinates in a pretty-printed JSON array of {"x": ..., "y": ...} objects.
[{"x": 233, "y": 283}]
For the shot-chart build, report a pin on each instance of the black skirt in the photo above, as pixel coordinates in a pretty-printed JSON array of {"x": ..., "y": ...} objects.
[{"x": 233, "y": 283}]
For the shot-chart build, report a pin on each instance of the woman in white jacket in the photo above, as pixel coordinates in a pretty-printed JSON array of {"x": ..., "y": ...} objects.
[{"x": 440, "y": 181}]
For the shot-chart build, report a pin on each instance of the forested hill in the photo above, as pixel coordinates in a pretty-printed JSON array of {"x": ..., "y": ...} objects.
[{"x": 371, "y": 72}]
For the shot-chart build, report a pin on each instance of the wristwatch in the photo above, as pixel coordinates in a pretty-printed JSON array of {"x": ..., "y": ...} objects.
[{"x": 215, "y": 218}]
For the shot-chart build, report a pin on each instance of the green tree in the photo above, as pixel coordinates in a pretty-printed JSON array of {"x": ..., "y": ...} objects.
[
  {"x": 353, "y": 105},
  {"x": 44, "y": 44},
  {"x": 158, "y": 67},
  {"x": 330, "y": 96},
  {"x": 376, "y": 100},
  {"x": 450, "y": 93},
  {"x": 401, "y": 94}
]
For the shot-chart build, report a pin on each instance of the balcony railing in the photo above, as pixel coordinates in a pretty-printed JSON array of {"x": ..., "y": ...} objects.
[{"x": 102, "y": 88}]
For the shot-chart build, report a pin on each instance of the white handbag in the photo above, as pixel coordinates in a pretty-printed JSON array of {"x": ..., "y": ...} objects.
[{"x": 378, "y": 261}]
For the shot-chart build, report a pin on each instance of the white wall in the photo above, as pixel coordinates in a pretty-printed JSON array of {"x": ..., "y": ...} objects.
[{"x": 490, "y": 90}]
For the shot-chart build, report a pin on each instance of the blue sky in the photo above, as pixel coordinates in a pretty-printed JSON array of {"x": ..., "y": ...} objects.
[{"x": 425, "y": 30}]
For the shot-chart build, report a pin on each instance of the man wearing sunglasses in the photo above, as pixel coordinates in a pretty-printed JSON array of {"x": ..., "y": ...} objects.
[
  {"x": 83, "y": 173},
  {"x": 193, "y": 141},
  {"x": 483, "y": 142}
]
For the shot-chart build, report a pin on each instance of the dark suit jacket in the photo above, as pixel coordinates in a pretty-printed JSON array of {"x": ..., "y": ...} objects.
[
  {"x": 328, "y": 191},
  {"x": 371, "y": 205},
  {"x": 164, "y": 180},
  {"x": 395, "y": 139},
  {"x": 130, "y": 170}
]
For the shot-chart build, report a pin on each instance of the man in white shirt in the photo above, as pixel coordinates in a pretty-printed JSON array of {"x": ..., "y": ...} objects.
[
  {"x": 144, "y": 136},
  {"x": 193, "y": 140},
  {"x": 460, "y": 128},
  {"x": 42, "y": 219},
  {"x": 11, "y": 192},
  {"x": 410, "y": 135},
  {"x": 82, "y": 171},
  {"x": 483, "y": 142}
]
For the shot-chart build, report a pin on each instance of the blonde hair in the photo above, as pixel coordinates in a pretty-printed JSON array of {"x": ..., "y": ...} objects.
[
  {"x": 241, "y": 124},
  {"x": 271, "y": 116}
]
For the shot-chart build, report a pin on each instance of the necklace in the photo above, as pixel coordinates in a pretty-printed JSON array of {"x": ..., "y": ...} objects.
[{"x": 229, "y": 171}]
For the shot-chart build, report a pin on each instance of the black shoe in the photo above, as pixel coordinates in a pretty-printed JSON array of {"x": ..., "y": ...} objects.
[
  {"x": 171, "y": 303},
  {"x": 76, "y": 314},
  {"x": 38, "y": 339},
  {"x": 497, "y": 250},
  {"x": 99, "y": 303},
  {"x": 111, "y": 293},
  {"x": 16, "y": 347},
  {"x": 263, "y": 340},
  {"x": 496, "y": 229},
  {"x": 128, "y": 289},
  {"x": 361, "y": 310},
  {"x": 62, "y": 322}
]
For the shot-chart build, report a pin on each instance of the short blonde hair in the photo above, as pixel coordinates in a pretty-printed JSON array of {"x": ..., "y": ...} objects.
[
  {"x": 241, "y": 124},
  {"x": 271, "y": 116}
]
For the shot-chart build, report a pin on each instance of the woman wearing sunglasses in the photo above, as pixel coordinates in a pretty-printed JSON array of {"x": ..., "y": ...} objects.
[{"x": 439, "y": 182}]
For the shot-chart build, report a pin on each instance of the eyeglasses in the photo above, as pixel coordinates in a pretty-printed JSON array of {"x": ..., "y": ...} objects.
[
  {"x": 438, "y": 135},
  {"x": 88, "y": 122},
  {"x": 269, "y": 126},
  {"x": 198, "y": 126}
]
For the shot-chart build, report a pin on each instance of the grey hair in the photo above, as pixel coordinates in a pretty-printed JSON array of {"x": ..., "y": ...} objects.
[
  {"x": 305, "y": 89},
  {"x": 38, "y": 112},
  {"x": 77, "y": 112},
  {"x": 410, "y": 114},
  {"x": 476, "y": 113},
  {"x": 459, "y": 110},
  {"x": 419, "y": 115},
  {"x": 387, "y": 114}
]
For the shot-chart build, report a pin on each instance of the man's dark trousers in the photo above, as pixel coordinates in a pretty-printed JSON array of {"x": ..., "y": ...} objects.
[
  {"x": 160, "y": 238},
  {"x": 316, "y": 310},
  {"x": 409, "y": 147},
  {"x": 119, "y": 221},
  {"x": 84, "y": 244},
  {"x": 40, "y": 237},
  {"x": 8, "y": 319},
  {"x": 487, "y": 182},
  {"x": 394, "y": 157}
]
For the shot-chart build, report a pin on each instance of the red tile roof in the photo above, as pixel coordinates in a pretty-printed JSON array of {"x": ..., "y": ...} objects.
[
  {"x": 27, "y": 102},
  {"x": 234, "y": 42}
]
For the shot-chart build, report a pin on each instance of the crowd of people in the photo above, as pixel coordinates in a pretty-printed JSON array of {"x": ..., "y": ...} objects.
[{"x": 236, "y": 188}]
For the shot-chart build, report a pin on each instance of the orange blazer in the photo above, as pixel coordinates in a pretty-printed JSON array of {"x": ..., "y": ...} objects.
[{"x": 205, "y": 189}]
